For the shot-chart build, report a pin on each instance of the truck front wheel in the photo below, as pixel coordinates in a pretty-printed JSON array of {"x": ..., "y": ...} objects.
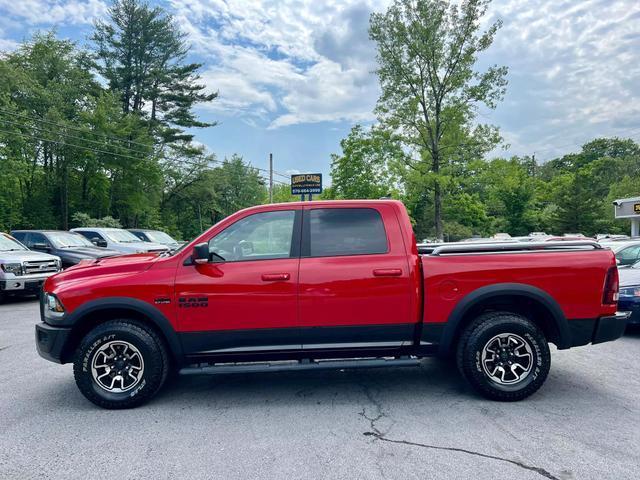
[
  {"x": 504, "y": 356},
  {"x": 120, "y": 364}
]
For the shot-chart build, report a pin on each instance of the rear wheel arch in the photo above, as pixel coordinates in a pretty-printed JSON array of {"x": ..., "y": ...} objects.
[
  {"x": 531, "y": 302},
  {"x": 94, "y": 313}
]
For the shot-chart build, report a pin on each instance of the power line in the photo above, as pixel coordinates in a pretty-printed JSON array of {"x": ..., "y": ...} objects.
[
  {"x": 34, "y": 118},
  {"x": 130, "y": 150},
  {"x": 94, "y": 150}
]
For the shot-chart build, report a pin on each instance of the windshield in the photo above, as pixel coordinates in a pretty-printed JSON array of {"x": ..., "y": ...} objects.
[
  {"x": 160, "y": 237},
  {"x": 616, "y": 247},
  {"x": 66, "y": 240},
  {"x": 7, "y": 244},
  {"x": 121, "y": 236}
]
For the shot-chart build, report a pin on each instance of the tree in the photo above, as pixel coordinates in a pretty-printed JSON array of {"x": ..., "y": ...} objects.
[
  {"x": 426, "y": 53},
  {"x": 142, "y": 53},
  {"x": 365, "y": 168},
  {"x": 46, "y": 86},
  {"x": 509, "y": 195}
]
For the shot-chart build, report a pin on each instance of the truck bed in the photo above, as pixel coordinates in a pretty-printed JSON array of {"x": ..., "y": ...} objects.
[{"x": 572, "y": 274}]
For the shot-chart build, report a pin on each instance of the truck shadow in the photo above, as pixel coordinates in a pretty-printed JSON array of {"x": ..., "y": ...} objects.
[
  {"x": 18, "y": 299},
  {"x": 434, "y": 380},
  {"x": 632, "y": 331}
]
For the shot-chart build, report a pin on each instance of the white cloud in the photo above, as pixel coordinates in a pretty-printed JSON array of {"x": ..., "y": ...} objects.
[
  {"x": 574, "y": 72},
  {"x": 68, "y": 12},
  {"x": 284, "y": 61}
]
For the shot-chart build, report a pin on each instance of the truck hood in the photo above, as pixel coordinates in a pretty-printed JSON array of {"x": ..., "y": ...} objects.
[
  {"x": 86, "y": 269},
  {"x": 146, "y": 246},
  {"x": 90, "y": 252},
  {"x": 19, "y": 256}
]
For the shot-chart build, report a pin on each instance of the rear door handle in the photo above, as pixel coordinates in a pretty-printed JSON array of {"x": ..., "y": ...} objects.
[
  {"x": 387, "y": 272},
  {"x": 275, "y": 277}
]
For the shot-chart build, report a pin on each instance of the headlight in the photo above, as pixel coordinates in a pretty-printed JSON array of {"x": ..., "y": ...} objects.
[
  {"x": 15, "y": 268},
  {"x": 630, "y": 291},
  {"x": 52, "y": 304}
]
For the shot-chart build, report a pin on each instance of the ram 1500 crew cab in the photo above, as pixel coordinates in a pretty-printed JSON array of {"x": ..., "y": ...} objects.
[{"x": 322, "y": 285}]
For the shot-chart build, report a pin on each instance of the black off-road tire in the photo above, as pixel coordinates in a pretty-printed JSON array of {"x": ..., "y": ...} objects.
[
  {"x": 478, "y": 335},
  {"x": 150, "y": 347}
]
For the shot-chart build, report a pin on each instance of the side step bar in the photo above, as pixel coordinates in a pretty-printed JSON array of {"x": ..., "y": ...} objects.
[{"x": 284, "y": 366}]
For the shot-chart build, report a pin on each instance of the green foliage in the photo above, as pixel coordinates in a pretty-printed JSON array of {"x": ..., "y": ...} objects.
[
  {"x": 364, "y": 170},
  {"x": 570, "y": 194},
  {"x": 431, "y": 90},
  {"x": 142, "y": 53},
  {"x": 81, "y": 219},
  {"x": 214, "y": 193}
]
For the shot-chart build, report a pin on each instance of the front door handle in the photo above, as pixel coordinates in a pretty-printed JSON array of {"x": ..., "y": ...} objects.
[
  {"x": 275, "y": 277},
  {"x": 387, "y": 272}
]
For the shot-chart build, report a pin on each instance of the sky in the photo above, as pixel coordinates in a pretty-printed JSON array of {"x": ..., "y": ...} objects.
[{"x": 293, "y": 77}]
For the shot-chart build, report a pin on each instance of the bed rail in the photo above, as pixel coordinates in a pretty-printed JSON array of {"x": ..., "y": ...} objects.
[{"x": 462, "y": 248}]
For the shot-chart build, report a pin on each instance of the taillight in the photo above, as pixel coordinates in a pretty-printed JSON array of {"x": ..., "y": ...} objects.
[{"x": 611, "y": 286}]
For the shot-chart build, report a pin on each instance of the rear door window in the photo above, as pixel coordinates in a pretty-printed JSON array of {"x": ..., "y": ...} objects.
[{"x": 345, "y": 231}]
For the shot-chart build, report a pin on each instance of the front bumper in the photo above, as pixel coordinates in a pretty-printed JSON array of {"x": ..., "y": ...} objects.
[
  {"x": 51, "y": 342},
  {"x": 24, "y": 283}
]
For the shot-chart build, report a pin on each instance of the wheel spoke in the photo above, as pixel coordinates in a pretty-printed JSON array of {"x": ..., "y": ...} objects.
[
  {"x": 507, "y": 358},
  {"x": 119, "y": 357}
]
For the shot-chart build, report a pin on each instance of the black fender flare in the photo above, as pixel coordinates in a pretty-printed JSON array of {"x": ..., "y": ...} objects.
[
  {"x": 482, "y": 294},
  {"x": 84, "y": 312}
]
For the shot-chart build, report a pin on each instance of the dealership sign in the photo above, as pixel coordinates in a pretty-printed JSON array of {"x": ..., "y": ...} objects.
[
  {"x": 306, "y": 183},
  {"x": 627, "y": 207}
]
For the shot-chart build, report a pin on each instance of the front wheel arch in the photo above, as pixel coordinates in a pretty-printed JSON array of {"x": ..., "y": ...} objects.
[{"x": 90, "y": 315}]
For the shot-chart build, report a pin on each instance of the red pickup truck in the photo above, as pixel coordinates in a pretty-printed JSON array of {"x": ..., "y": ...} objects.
[{"x": 335, "y": 284}]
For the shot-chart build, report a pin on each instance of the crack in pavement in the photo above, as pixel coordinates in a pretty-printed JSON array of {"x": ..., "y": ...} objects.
[
  {"x": 539, "y": 470},
  {"x": 378, "y": 435}
]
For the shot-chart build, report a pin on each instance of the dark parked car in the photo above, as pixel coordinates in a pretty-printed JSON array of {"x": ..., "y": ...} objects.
[
  {"x": 629, "y": 300},
  {"x": 70, "y": 247},
  {"x": 155, "y": 236}
]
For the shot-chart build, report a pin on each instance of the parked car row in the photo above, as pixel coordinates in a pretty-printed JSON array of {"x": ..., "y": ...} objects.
[{"x": 28, "y": 257}]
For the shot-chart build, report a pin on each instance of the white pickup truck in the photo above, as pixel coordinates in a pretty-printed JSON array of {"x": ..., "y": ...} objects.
[{"x": 23, "y": 271}]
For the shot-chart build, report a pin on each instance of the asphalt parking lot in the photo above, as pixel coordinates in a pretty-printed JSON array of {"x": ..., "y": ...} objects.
[{"x": 421, "y": 423}]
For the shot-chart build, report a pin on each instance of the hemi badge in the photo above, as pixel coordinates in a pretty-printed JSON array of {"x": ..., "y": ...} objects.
[{"x": 162, "y": 301}]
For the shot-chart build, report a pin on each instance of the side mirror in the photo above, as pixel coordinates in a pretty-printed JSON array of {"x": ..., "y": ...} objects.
[
  {"x": 200, "y": 253},
  {"x": 40, "y": 246}
]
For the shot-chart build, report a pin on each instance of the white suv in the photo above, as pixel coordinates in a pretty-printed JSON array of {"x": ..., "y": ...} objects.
[
  {"x": 118, "y": 239},
  {"x": 23, "y": 271}
]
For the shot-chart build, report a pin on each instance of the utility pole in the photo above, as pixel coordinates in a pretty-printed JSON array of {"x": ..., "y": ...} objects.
[
  {"x": 534, "y": 164},
  {"x": 271, "y": 178}
]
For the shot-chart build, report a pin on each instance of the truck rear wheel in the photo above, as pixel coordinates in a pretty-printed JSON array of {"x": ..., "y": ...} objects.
[
  {"x": 120, "y": 364},
  {"x": 504, "y": 356}
]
